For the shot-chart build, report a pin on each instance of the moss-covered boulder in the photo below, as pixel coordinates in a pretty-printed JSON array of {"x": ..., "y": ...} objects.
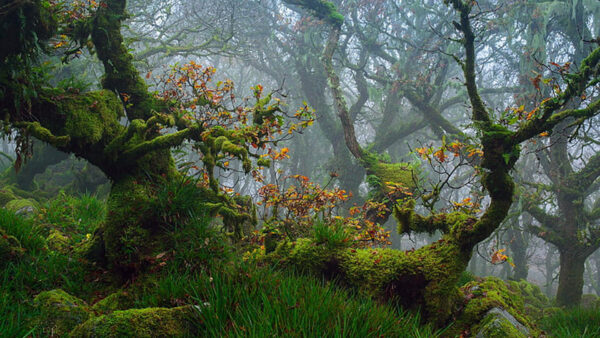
[
  {"x": 115, "y": 301},
  {"x": 498, "y": 323},
  {"x": 492, "y": 309},
  {"x": 59, "y": 312},
  {"x": 148, "y": 322},
  {"x": 22, "y": 206},
  {"x": 57, "y": 241},
  {"x": 10, "y": 248}
]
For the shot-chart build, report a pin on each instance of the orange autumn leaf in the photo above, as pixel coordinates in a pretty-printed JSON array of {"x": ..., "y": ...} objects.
[
  {"x": 499, "y": 257},
  {"x": 440, "y": 155}
]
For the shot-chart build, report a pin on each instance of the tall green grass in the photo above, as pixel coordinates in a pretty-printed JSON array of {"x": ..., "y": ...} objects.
[
  {"x": 236, "y": 298},
  {"x": 261, "y": 302},
  {"x": 576, "y": 322}
]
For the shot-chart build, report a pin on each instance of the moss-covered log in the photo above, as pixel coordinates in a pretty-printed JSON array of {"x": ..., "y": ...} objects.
[{"x": 421, "y": 279}]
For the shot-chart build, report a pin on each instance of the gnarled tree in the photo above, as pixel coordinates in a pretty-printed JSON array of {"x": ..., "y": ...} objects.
[
  {"x": 426, "y": 277},
  {"x": 136, "y": 155}
]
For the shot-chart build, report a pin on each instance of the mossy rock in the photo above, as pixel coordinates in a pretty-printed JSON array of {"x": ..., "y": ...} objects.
[
  {"x": 57, "y": 241},
  {"x": 589, "y": 301},
  {"x": 60, "y": 312},
  {"x": 10, "y": 248},
  {"x": 115, "y": 301},
  {"x": 498, "y": 323},
  {"x": 484, "y": 295},
  {"x": 148, "y": 322},
  {"x": 22, "y": 206}
]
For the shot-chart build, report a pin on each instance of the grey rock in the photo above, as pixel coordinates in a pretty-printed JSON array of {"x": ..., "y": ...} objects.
[{"x": 497, "y": 322}]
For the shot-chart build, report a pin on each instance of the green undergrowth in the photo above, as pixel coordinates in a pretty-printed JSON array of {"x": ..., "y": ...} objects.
[
  {"x": 231, "y": 297},
  {"x": 239, "y": 299},
  {"x": 75, "y": 216},
  {"x": 576, "y": 322},
  {"x": 260, "y": 302},
  {"x": 197, "y": 265},
  {"x": 38, "y": 269},
  {"x": 236, "y": 298}
]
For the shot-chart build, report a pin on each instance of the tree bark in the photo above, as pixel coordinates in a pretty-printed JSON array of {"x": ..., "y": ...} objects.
[
  {"x": 570, "y": 282},
  {"x": 518, "y": 246}
]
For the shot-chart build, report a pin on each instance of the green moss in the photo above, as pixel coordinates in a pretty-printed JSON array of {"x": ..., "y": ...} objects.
[
  {"x": 482, "y": 296},
  {"x": 263, "y": 162},
  {"x": 534, "y": 299},
  {"x": 306, "y": 254},
  {"x": 495, "y": 139},
  {"x": 459, "y": 224},
  {"x": 36, "y": 130},
  {"x": 120, "y": 74},
  {"x": 59, "y": 312},
  {"x": 382, "y": 175},
  {"x": 136, "y": 224},
  {"x": 324, "y": 10},
  {"x": 425, "y": 278},
  {"x": 227, "y": 142},
  {"x": 398, "y": 173},
  {"x": 494, "y": 326},
  {"x": 409, "y": 221},
  {"x": 21, "y": 205},
  {"x": 57, "y": 241},
  {"x": 149, "y": 322},
  {"x": 92, "y": 248},
  {"x": 115, "y": 301},
  {"x": 127, "y": 232},
  {"x": 91, "y": 116}
]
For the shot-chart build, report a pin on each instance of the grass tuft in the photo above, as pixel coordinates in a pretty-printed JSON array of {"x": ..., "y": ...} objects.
[
  {"x": 576, "y": 322},
  {"x": 74, "y": 216}
]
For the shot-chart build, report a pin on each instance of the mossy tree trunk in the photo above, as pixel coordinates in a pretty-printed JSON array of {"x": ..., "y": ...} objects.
[
  {"x": 134, "y": 157},
  {"x": 130, "y": 231}
]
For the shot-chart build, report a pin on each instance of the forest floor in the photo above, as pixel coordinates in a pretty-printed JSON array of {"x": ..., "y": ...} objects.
[{"x": 226, "y": 295}]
